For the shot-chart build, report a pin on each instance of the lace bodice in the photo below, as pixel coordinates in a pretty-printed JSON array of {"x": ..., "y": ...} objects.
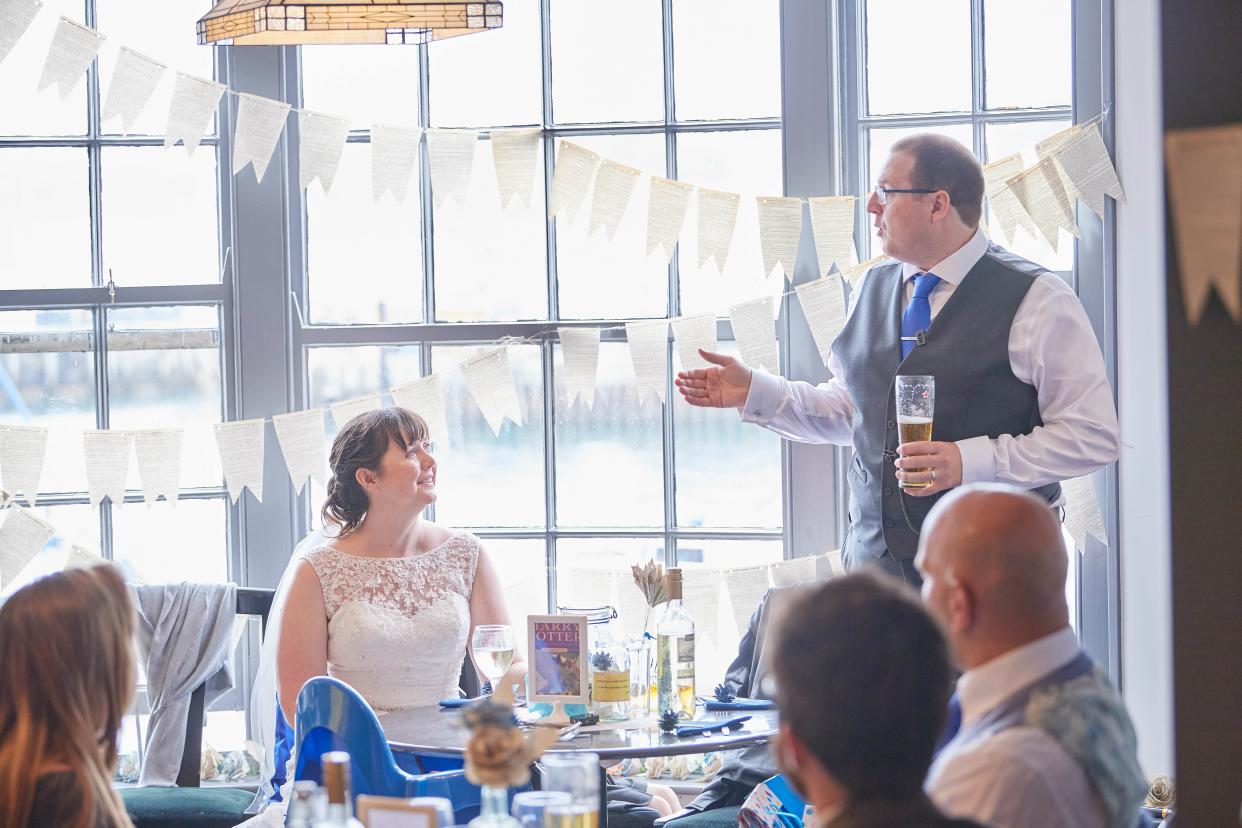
[{"x": 398, "y": 627}]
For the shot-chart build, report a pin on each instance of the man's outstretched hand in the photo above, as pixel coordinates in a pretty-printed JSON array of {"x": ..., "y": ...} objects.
[{"x": 725, "y": 385}]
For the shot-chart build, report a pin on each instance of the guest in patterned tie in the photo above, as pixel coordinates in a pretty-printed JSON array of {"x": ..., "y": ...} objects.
[
  {"x": 1044, "y": 738},
  {"x": 1021, "y": 392}
]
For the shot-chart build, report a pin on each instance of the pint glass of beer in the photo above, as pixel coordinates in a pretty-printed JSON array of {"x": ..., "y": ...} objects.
[{"x": 916, "y": 403}]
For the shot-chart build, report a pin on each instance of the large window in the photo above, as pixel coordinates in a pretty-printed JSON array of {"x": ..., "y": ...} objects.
[{"x": 686, "y": 89}]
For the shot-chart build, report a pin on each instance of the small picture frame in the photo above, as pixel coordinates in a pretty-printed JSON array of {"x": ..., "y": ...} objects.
[
  {"x": 395, "y": 812},
  {"x": 558, "y": 658}
]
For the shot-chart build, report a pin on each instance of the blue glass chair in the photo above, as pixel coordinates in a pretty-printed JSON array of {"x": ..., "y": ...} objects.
[{"x": 331, "y": 715}]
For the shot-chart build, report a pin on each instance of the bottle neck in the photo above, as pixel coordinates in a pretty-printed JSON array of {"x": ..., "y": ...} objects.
[{"x": 495, "y": 801}]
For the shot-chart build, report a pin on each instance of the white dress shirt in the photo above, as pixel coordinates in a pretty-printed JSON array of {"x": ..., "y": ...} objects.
[
  {"x": 1051, "y": 346},
  {"x": 1018, "y": 777}
]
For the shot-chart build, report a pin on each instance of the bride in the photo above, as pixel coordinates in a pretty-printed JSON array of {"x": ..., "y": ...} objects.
[{"x": 383, "y": 600}]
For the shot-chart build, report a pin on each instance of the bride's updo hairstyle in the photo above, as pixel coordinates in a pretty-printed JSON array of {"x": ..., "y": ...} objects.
[{"x": 360, "y": 445}]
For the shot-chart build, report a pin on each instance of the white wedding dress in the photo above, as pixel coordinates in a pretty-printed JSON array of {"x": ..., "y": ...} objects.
[{"x": 397, "y": 627}]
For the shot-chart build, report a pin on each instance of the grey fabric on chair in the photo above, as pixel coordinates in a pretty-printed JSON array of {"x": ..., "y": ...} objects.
[{"x": 185, "y": 632}]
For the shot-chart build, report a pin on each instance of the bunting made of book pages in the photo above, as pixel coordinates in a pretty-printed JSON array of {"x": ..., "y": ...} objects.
[
  {"x": 1205, "y": 193},
  {"x": 648, "y": 342},
  {"x": 1085, "y": 161},
  {"x": 1009, "y": 212},
  {"x": 691, "y": 334},
  {"x": 855, "y": 274},
  {"x": 746, "y": 586},
  {"x": 717, "y": 218},
  {"x": 73, "y": 48},
  {"x": 80, "y": 558},
  {"x": 794, "y": 571},
  {"x": 424, "y": 398},
  {"x": 450, "y": 158},
  {"x": 107, "y": 464},
  {"x": 666, "y": 214},
  {"x": 614, "y": 184},
  {"x": 22, "y": 450},
  {"x": 190, "y": 114},
  {"x": 700, "y": 594},
  {"x": 515, "y": 153},
  {"x": 832, "y": 225},
  {"x": 571, "y": 178},
  {"x": 321, "y": 141},
  {"x": 490, "y": 380},
  {"x": 240, "y": 445},
  {"x": 22, "y": 536},
  {"x": 580, "y": 351},
  {"x": 1048, "y": 148},
  {"x": 780, "y": 227},
  {"x": 346, "y": 410},
  {"x": 823, "y": 305},
  {"x": 394, "y": 155},
  {"x": 1082, "y": 511},
  {"x": 1042, "y": 194},
  {"x": 301, "y": 436},
  {"x": 754, "y": 328},
  {"x": 259, "y": 124},
  {"x": 15, "y": 18},
  {"x": 158, "y": 452},
  {"x": 134, "y": 79}
]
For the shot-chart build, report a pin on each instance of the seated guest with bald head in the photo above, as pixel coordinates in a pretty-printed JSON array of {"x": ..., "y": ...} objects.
[
  {"x": 1044, "y": 738},
  {"x": 862, "y": 679}
]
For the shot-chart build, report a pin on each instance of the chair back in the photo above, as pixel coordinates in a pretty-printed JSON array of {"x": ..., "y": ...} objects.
[{"x": 331, "y": 715}]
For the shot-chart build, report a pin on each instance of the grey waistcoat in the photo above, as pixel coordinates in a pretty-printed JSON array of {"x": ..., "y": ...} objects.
[{"x": 966, "y": 349}]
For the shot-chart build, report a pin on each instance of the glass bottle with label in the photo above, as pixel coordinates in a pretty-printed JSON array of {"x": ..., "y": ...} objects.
[
  {"x": 340, "y": 809},
  {"x": 675, "y": 654}
]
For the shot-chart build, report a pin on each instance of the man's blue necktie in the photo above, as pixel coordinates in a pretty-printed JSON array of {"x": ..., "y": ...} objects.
[
  {"x": 952, "y": 724},
  {"x": 918, "y": 314}
]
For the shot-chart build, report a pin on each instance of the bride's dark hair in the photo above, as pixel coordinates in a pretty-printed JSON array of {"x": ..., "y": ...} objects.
[{"x": 360, "y": 445}]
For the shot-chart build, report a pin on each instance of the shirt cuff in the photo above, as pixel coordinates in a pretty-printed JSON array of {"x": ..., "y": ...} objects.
[
  {"x": 978, "y": 460},
  {"x": 766, "y": 396}
]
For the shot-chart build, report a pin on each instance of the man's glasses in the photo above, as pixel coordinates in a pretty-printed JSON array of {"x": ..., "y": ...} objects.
[{"x": 882, "y": 193}]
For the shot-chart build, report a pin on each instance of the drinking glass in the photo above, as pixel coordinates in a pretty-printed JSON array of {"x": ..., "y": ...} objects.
[
  {"x": 492, "y": 647},
  {"x": 916, "y": 403},
  {"x": 576, "y": 774},
  {"x": 529, "y": 807}
]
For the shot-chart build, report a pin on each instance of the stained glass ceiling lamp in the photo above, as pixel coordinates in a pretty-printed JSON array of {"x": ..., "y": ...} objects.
[{"x": 300, "y": 22}]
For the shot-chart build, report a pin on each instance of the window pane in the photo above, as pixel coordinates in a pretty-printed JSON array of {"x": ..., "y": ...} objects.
[
  {"x": 164, "y": 372},
  {"x": 596, "y": 571},
  {"x": 1027, "y": 54},
  {"x": 918, "y": 56},
  {"x": 521, "y": 566},
  {"x": 364, "y": 260},
  {"x": 491, "y": 263},
  {"x": 602, "y": 279},
  {"x": 76, "y": 524},
  {"x": 487, "y": 480},
  {"x": 24, "y": 111},
  {"x": 607, "y": 61},
  {"x": 728, "y": 554},
  {"x": 47, "y": 378},
  {"x": 1006, "y": 139},
  {"x": 748, "y": 163},
  {"x": 880, "y": 142},
  {"x": 163, "y": 32},
  {"x": 728, "y": 61},
  {"x": 188, "y": 543},
  {"x": 609, "y": 458},
  {"x": 366, "y": 84},
  {"x": 728, "y": 473},
  {"x": 45, "y": 229},
  {"x": 159, "y": 216},
  {"x": 490, "y": 78}
]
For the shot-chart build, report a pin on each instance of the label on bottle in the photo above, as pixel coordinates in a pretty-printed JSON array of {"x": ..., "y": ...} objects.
[
  {"x": 685, "y": 657},
  {"x": 611, "y": 686}
]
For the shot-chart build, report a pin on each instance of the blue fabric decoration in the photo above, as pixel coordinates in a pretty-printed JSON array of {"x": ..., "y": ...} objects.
[
  {"x": 740, "y": 704},
  {"x": 701, "y": 726}
]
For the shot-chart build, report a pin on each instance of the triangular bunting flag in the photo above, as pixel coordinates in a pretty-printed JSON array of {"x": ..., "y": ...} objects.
[
  {"x": 580, "y": 351},
  {"x": 107, "y": 464},
  {"x": 793, "y": 572},
  {"x": 648, "y": 351},
  {"x": 15, "y": 18},
  {"x": 780, "y": 227},
  {"x": 1082, "y": 511},
  {"x": 571, "y": 178},
  {"x": 747, "y": 587},
  {"x": 754, "y": 328},
  {"x": 22, "y": 449},
  {"x": 692, "y": 333},
  {"x": 1010, "y": 213},
  {"x": 823, "y": 305},
  {"x": 490, "y": 380},
  {"x": 423, "y": 397},
  {"x": 832, "y": 224},
  {"x": 614, "y": 184},
  {"x": 73, "y": 48},
  {"x": 346, "y": 410},
  {"x": 854, "y": 274},
  {"x": 21, "y": 538},
  {"x": 1042, "y": 195},
  {"x": 133, "y": 81},
  {"x": 450, "y": 158},
  {"x": 666, "y": 213},
  {"x": 158, "y": 452},
  {"x": 80, "y": 558},
  {"x": 194, "y": 102},
  {"x": 1084, "y": 160},
  {"x": 259, "y": 124},
  {"x": 1048, "y": 147},
  {"x": 717, "y": 218},
  {"x": 321, "y": 140},
  {"x": 394, "y": 155},
  {"x": 241, "y": 456},
  {"x": 301, "y": 437},
  {"x": 514, "y": 154}
]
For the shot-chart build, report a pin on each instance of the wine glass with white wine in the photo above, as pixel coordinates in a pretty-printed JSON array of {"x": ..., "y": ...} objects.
[{"x": 492, "y": 647}]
